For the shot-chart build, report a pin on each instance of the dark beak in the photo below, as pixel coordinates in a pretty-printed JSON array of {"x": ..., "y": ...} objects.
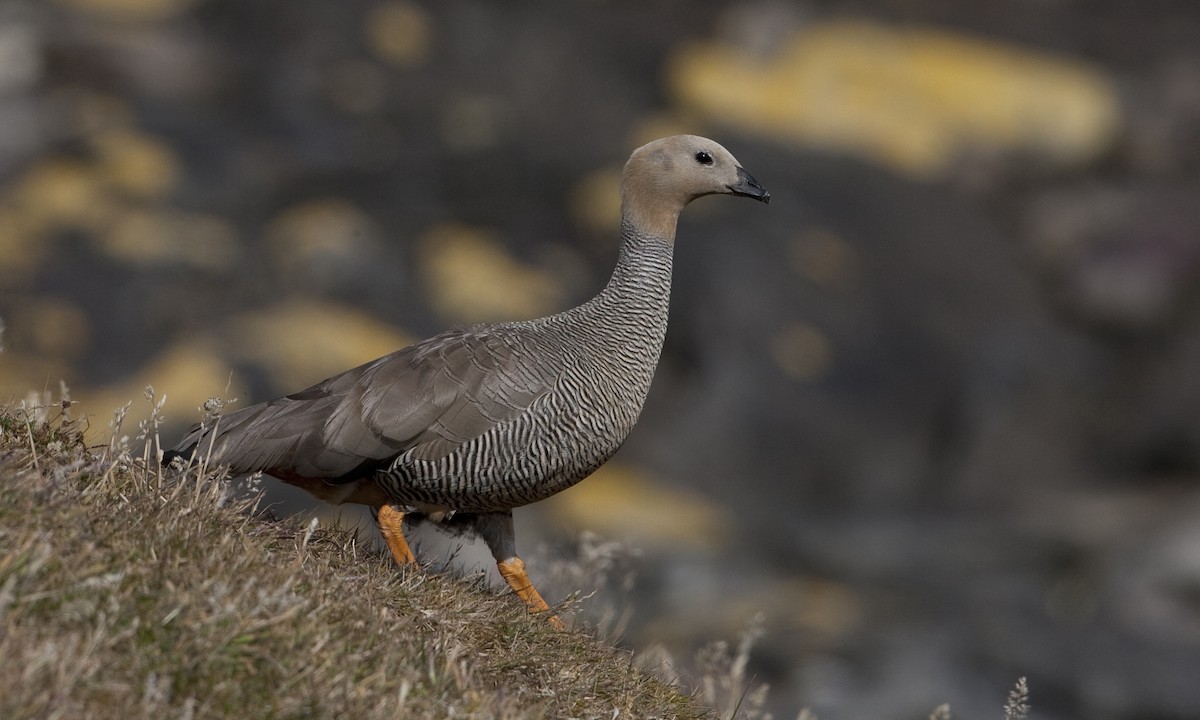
[{"x": 747, "y": 186}]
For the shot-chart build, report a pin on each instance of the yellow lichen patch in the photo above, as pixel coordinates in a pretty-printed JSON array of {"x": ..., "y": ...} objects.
[
  {"x": 660, "y": 125},
  {"x": 913, "y": 99},
  {"x": 471, "y": 278},
  {"x": 357, "y": 87},
  {"x": 135, "y": 10},
  {"x": 22, "y": 372},
  {"x": 399, "y": 33},
  {"x": 49, "y": 327},
  {"x": 801, "y": 351},
  {"x": 595, "y": 201},
  {"x": 188, "y": 373},
  {"x": 470, "y": 123},
  {"x": 823, "y": 610},
  {"x": 136, "y": 164},
  {"x": 621, "y": 501},
  {"x": 306, "y": 236},
  {"x": 154, "y": 237},
  {"x": 820, "y": 256},
  {"x": 60, "y": 193},
  {"x": 301, "y": 343},
  {"x": 21, "y": 249},
  {"x": 83, "y": 111},
  {"x": 822, "y": 605}
]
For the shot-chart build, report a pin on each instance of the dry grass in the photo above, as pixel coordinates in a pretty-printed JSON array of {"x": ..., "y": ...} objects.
[
  {"x": 125, "y": 592},
  {"x": 1017, "y": 705}
]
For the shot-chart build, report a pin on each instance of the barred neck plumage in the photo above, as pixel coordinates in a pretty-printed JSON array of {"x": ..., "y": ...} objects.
[
  {"x": 643, "y": 271},
  {"x": 619, "y": 333},
  {"x": 638, "y": 293}
]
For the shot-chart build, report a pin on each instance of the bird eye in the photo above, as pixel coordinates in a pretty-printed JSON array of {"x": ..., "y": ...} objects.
[{"x": 704, "y": 158}]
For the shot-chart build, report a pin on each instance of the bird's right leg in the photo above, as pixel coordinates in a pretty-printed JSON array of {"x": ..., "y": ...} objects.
[
  {"x": 391, "y": 525},
  {"x": 497, "y": 532}
]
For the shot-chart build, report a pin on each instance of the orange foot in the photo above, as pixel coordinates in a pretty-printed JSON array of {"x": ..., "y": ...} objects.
[
  {"x": 391, "y": 524},
  {"x": 513, "y": 572}
]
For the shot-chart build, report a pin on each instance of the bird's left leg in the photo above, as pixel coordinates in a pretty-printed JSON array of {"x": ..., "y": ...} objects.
[
  {"x": 497, "y": 532},
  {"x": 391, "y": 525}
]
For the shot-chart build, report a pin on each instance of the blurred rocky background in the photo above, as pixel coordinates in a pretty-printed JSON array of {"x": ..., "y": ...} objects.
[{"x": 934, "y": 413}]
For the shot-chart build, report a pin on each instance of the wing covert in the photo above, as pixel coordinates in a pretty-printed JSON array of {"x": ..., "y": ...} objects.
[{"x": 447, "y": 391}]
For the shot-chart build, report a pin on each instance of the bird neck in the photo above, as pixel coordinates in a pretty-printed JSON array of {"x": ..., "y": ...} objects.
[
  {"x": 631, "y": 311},
  {"x": 656, "y": 218},
  {"x": 643, "y": 272},
  {"x": 624, "y": 325},
  {"x": 635, "y": 300}
]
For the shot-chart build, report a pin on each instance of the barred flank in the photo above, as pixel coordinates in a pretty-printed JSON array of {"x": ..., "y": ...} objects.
[{"x": 599, "y": 357}]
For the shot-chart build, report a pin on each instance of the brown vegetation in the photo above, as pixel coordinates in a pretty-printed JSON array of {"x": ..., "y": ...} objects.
[
  {"x": 125, "y": 592},
  {"x": 129, "y": 592}
]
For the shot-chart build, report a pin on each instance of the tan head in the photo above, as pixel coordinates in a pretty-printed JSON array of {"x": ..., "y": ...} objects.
[{"x": 663, "y": 176}]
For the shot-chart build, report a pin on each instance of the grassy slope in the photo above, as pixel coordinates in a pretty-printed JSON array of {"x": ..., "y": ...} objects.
[{"x": 127, "y": 594}]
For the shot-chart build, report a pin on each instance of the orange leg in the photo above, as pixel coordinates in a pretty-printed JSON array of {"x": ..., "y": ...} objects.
[
  {"x": 513, "y": 572},
  {"x": 391, "y": 524}
]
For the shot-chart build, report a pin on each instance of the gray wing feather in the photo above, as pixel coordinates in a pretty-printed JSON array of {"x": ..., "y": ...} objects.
[
  {"x": 427, "y": 399},
  {"x": 469, "y": 383}
]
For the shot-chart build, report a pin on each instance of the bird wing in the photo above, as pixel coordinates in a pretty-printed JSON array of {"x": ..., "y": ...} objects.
[
  {"x": 428, "y": 398},
  {"x": 451, "y": 389}
]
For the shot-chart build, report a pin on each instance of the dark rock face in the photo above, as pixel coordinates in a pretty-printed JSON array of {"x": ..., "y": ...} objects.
[{"x": 950, "y": 423}]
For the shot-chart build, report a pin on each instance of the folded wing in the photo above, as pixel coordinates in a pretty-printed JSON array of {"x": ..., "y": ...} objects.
[{"x": 429, "y": 398}]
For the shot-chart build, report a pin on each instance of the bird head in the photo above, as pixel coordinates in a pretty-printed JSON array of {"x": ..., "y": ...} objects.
[{"x": 663, "y": 176}]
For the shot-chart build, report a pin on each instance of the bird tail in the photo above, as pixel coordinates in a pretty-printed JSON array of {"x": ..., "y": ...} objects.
[
  {"x": 283, "y": 434},
  {"x": 185, "y": 453},
  {"x": 204, "y": 441}
]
